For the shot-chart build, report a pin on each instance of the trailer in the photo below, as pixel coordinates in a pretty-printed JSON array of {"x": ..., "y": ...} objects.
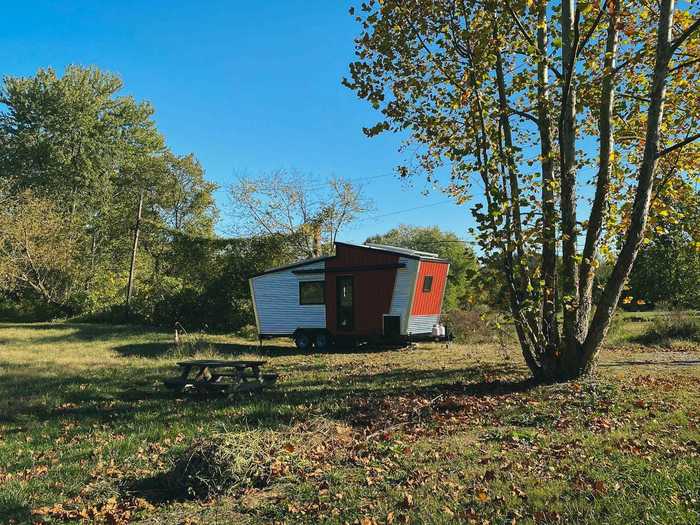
[{"x": 368, "y": 292}]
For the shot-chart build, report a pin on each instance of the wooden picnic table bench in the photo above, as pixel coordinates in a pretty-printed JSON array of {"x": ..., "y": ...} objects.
[{"x": 243, "y": 375}]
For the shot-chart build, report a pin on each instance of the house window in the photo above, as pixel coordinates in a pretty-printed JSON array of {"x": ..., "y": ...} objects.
[
  {"x": 427, "y": 283},
  {"x": 312, "y": 292}
]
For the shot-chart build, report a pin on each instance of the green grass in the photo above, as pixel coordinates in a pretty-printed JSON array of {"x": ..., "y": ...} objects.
[{"x": 429, "y": 435}]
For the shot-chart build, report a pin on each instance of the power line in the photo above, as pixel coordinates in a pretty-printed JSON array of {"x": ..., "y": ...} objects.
[
  {"x": 361, "y": 179},
  {"x": 409, "y": 209}
]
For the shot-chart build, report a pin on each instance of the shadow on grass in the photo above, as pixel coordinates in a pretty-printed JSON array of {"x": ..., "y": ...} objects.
[
  {"x": 13, "y": 511},
  {"x": 63, "y": 332},
  {"x": 128, "y": 399},
  {"x": 123, "y": 395},
  {"x": 160, "y": 349},
  {"x": 157, "y": 489},
  {"x": 647, "y": 362}
]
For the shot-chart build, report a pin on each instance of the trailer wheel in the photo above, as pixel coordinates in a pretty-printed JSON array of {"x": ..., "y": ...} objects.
[
  {"x": 302, "y": 341},
  {"x": 322, "y": 341}
]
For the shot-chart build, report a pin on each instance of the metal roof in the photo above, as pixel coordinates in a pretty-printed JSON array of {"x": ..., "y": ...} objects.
[
  {"x": 416, "y": 254},
  {"x": 294, "y": 265},
  {"x": 405, "y": 251}
]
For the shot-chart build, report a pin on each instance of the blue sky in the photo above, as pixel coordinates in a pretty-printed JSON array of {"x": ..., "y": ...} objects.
[{"x": 248, "y": 87}]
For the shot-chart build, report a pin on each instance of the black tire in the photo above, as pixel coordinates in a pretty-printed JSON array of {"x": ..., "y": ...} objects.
[
  {"x": 322, "y": 341},
  {"x": 302, "y": 341}
]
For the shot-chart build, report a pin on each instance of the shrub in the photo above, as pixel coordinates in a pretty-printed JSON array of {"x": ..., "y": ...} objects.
[
  {"x": 469, "y": 326},
  {"x": 677, "y": 325},
  {"x": 249, "y": 332}
]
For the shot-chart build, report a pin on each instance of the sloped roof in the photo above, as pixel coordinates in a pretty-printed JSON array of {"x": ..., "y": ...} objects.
[
  {"x": 294, "y": 265},
  {"x": 396, "y": 250},
  {"x": 406, "y": 252}
]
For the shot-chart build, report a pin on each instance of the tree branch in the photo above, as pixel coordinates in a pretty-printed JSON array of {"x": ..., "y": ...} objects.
[
  {"x": 684, "y": 64},
  {"x": 524, "y": 32},
  {"x": 678, "y": 145},
  {"x": 676, "y": 43},
  {"x": 606, "y": 136},
  {"x": 524, "y": 114}
]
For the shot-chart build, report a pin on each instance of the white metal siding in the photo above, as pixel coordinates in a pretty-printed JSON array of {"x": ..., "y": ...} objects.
[
  {"x": 276, "y": 297},
  {"x": 422, "y": 324},
  {"x": 403, "y": 290}
]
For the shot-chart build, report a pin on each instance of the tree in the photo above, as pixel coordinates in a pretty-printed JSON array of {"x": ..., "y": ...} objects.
[
  {"x": 461, "y": 292},
  {"x": 72, "y": 141},
  {"x": 667, "y": 268},
  {"x": 286, "y": 203},
  {"x": 469, "y": 83},
  {"x": 186, "y": 202},
  {"x": 96, "y": 158},
  {"x": 38, "y": 250},
  {"x": 71, "y": 137}
]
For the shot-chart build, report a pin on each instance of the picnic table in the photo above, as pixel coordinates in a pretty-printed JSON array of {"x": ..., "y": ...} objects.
[{"x": 220, "y": 376}]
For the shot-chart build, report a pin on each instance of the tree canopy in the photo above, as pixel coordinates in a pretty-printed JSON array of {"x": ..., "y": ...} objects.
[
  {"x": 75, "y": 159},
  {"x": 486, "y": 91},
  {"x": 309, "y": 212}
]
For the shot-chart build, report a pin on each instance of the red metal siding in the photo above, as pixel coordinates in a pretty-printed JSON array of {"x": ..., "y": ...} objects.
[
  {"x": 426, "y": 303},
  {"x": 372, "y": 288}
]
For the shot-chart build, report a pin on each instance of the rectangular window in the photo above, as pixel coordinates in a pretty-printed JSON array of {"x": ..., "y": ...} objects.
[
  {"x": 427, "y": 283},
  {"x": 312, "y": 292}
]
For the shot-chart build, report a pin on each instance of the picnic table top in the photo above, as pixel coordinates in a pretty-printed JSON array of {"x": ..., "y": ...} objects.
[{"x": 215, "y": 363}]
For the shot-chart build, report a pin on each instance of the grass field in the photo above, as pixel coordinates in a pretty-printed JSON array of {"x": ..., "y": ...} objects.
[{"x": 426, "y": 435}]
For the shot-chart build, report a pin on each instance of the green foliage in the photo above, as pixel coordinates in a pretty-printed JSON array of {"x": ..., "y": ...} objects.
[
  {"x": 72, "y": 137},
  {"x": 461, "y": 290},
  {"x": 39, "y": 250},
  {"x": 674, "y": 326},
  {"x": 667, "y": 269},
  {"x": 214, "y": 290},
  {"x": 75, "y": 157}
]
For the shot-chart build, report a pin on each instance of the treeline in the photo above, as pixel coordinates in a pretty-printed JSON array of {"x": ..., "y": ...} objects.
[
  {"x": 77, "y": 161},
  {"x": 85, "y": 173}
]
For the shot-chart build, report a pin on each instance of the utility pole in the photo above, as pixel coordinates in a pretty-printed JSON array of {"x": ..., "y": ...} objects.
[{"x": 132, "y": 269}]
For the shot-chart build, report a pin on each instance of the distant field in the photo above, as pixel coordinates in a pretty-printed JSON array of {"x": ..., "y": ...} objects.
[{"x": 426, "y": 435}]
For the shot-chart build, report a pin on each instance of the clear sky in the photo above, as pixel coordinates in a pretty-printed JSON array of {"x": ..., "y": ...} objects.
[{"x": 247, "y": 87}]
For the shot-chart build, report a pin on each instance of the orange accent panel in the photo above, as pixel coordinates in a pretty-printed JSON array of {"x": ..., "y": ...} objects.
[{"x": 426, "y": 303}]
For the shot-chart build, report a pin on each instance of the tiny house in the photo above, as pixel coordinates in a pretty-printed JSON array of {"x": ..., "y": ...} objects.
[{"x": 367, "y": 292}]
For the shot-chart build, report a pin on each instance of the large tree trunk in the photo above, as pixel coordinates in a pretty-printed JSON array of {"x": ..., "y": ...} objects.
[
  {"x": 598, "y": 209},
  {"x": 567, "y": 155},
  {"x": 549, "y": 327},
  {"x": 640, "y": 210},
  {"x": 577, "y": 354}
]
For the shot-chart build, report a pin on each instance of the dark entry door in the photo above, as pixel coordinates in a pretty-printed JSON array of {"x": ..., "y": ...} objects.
[{"x": 344, "y": 298}]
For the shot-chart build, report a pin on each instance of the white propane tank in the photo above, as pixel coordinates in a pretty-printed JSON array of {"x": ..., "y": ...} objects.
[
  {"x": 442, "y": 330},
  {"x": 436, "y": 330}
]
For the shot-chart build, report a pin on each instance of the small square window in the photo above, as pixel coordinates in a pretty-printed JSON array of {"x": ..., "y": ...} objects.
[
  {"x": 427, "y": 283},
  {"x": 312, "y": 292}
]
